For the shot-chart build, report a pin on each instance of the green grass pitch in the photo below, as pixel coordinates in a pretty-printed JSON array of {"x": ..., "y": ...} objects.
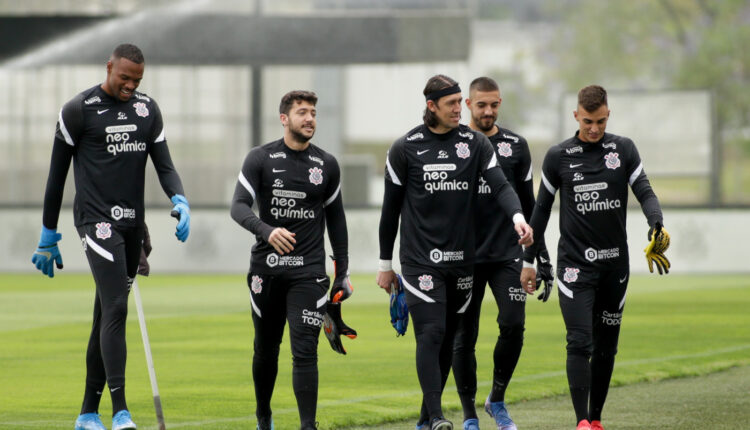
[{"x": 201, "y": 338}]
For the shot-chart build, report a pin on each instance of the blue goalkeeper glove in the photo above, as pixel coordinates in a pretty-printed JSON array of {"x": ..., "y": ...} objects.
[
  {"x": 181, "y": 211},
  {"x": 399, "y": 310},
  {"x": 47, "y": 253}
]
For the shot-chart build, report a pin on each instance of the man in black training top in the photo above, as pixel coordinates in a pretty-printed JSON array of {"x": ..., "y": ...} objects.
[
  {"x": 592, "y": 170},
  {"x": 432, "y": 174},
  {"x": 498, "y": 262},
  {"x": 109, "y": 131},
  {"x": 298, "y": 192}
]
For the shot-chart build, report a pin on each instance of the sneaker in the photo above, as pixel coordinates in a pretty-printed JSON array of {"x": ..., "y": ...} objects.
[
  {"x": 596, "y": 425},
  {"x": 422, "y": 425},
  {"x": 122, "y": 421},
  {"x": 498, "y": 412},
  {"x": 441, "y": 424},
  {"x": 89, "y": 421},
  {"x": 471, "y": 424},
  {"x": 584, "y": 425},
  {"x": 265, "y": 423}
]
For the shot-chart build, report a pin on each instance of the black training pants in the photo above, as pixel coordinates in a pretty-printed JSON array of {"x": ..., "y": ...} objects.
[
  {"x": 113, "y": 256},
  {"x": 505, "y": 283},
  {"x": 300, "y": 300}
]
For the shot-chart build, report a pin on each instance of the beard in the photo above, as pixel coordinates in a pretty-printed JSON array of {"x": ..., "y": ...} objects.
[
  {"x": 485, "y": 123},
  {"x": 298, "y": 136}
]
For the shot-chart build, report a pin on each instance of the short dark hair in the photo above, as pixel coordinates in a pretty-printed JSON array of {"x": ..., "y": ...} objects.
[
  {"x": 484, "y": 84},
  {"x": 129, "y": 52},
  {"x": 592, "y": 97},
  {"x": 435, "y": 83},
  {"x": 294, "y": 96}
]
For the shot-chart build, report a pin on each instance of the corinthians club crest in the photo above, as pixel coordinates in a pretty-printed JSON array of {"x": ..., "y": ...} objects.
[
  {"x": 504, "y": 149},
  {"x": 462, "y": 150},
  {"x": 103, "y": 230},
  {"x": 316, "y": 176},
  {"x": 425, "y": 282},
  {"x": 613, "y": 160},
  {"x": 571, "y": 274},
  {"x": 141, "y": 109},
  {"x": 257, "y": 284}
]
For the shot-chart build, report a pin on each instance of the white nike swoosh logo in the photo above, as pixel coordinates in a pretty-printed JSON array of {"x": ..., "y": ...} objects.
[
  {"x": 573, "y": 166},
  {"x": 320, "y": 280},
  {"x": 516, "y": 259},
  {"x": 114, "y": 389},
  {"x": 623, "y": 279},
  {"x": 422, "y": 152},
  {"x": 101, "y": 111},
  {"x": 278, "y": 170}
]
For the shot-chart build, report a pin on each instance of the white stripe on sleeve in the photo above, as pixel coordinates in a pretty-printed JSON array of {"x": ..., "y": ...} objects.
[
  {"x": 162, "y": 137},
  {"x": 493, "y": 161},
  {"x": 246, "y": 184},
  {"x": 636, "y": 174},
  {"x": 64, "y": 130},
  {"x": 548, "y": 185},
  {"x": 333, "y": 197},
  {"x": 529, "y": 176},
  {"x": 391, "y": 172}
]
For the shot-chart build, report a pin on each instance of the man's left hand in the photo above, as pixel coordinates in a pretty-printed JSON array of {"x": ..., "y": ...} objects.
[
  {"x": 544, "y": 274},
  {"x": 342, "y": 287},
  {"x": 658, "y": 243},
  {"x": 181, "y": 211}
]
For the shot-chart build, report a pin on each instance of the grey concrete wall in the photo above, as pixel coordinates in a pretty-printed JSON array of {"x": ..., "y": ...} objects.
[{"x": 703, "y": 241}]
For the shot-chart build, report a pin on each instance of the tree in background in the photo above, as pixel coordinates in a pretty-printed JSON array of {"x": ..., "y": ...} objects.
[{"x": 664, "y": 44}]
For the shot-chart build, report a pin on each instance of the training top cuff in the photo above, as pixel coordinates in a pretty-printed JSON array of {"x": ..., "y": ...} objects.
[
  {"x": 518, "y": 218},
  {"x": 527, "y": 265},
  {"x": 384, "y": 265}
]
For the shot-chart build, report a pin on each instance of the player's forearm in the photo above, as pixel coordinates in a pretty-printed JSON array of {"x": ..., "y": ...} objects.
[
  {"x": 648, "y": 200},
  {"x": 389, "y": 214},
  {"x": 242, "y": 213},
  {"x": 502, "y": 192},
  {"x": 337, "y": 230},
  {"x": 165, "y": 170},
  {"x": 538, "y": 222},
  {"x": 526, "y": 196},
  {"x": 62, "y": 153}
]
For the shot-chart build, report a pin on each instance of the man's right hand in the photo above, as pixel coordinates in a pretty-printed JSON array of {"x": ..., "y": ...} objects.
[
  {"x": 528, "y": 279},
  {"x": 387, "y": 280},
  {"x": 525, "y": 233},
  {"x": 282, "y": 240},
  {"x": 47, "y": 253}
]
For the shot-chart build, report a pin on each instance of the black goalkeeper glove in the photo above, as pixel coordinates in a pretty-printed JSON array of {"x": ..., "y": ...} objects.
[
  {"x": 544, "y": 274},
  {"x": 342, "y": 287},
  {"x": 334, "y": 327},
  {"x": 658, "y": 243}
]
